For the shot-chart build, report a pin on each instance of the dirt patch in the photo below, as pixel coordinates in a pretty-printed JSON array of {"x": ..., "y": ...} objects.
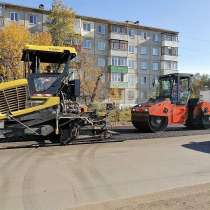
[{"x": 188, "y": 198}]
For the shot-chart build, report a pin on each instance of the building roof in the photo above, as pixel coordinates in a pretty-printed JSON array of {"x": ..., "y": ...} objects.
[
  {"x": 127, "y": 24},
  {"x": 95, "y": 19},
  {"x": 39, "y": 10}
]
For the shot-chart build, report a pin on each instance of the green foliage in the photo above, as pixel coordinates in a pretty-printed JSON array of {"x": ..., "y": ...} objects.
[
  {"x": 200, "y": 82},
  {"x": 120, "y": 115},
  {"x": 61, "y": 23}
]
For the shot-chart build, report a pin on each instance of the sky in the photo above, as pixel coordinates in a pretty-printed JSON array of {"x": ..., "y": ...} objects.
[{"x": 189, "y": 17}]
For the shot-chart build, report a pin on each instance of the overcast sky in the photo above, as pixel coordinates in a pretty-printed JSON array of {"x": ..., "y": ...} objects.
[{"x": 189, "y": 17}]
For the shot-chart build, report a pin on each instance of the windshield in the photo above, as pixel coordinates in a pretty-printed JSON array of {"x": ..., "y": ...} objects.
[
  {"x": 43, "y": 83},
  {"x": 178, "y": 92},
  {"x": 165, "y": 88}
]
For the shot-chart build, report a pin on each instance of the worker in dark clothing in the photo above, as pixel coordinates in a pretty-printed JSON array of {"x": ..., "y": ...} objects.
[{"x": 2, "y": 78}]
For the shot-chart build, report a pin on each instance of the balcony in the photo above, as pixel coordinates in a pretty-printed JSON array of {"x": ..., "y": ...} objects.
[
  {"x": 118, "y": 69},
  {"x": 169, "y": 58},
  {"x": 170, "y": 43},
  {"x": 119, "y": 85}
]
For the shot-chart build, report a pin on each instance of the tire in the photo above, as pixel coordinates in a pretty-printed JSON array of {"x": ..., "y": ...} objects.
[
  {"x": 158, "y": 123},
  {"x": 205, "y": 121},
  {"x": 152, "y": 124}
]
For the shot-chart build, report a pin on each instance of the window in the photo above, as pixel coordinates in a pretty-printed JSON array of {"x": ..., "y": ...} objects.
[
  {"x": 87, "y": 44},
  {"x": 101, "y": 45},
  {"x": 144, "y": 65},
  {"x": 170, "y": 37},
  {"x": 131, "y": 33},
  {"x": 169, "y": 65},
  {"x": 143, "y": 35},
  {"x": 131, "y": 95},
  {"x": 144, "y": 80},
  {"x": 172, "y": 51},
  {"x": 131, "y": 49},
  {"x": 156, "y": 38},
  {"x": 155, "y": 51},
  {"x": 143, "y": 50},
  {"x": 14, "y": 16},
  {"x": 1, "y": 22},
  {"x": 101, "y": 29},
  {"x": 119, "y": 45},
  {"x": 119, "y": 61},
  {"x": 119, "y": 30},
  {"x": 116, "y": 77},
  {"x": 101, "y": 62},
  {"x": 131, "y": 64},
  {"x": 143, "y": 95},
  {"x": 1, "y": 10},
  {"x": 122, "y": 61},
  {"x": 33, "y": 19},
  {"x": 155, "y": 66},
  {"x": 132, "y": 79},
  {"x": 86, "y": 26}
]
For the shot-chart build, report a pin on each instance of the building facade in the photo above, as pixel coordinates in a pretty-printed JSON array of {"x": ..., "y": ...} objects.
[{"x": 131, "y": 55}]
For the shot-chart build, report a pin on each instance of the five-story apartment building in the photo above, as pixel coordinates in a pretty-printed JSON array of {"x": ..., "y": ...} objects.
[{"x": 131, "y": 55}]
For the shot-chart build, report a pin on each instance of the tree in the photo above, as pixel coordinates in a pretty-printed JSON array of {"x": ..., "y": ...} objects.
[
  {"x": 61, "y": 23},
  {"x": 200, "y": 82},
  {"x": 41, "y": 38},
  {"x": 13, "y": 38},
  {"x": 90, "y": 77}
]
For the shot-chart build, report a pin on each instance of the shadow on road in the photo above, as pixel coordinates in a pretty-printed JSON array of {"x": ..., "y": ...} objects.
[{"x": 199, "y": 146}]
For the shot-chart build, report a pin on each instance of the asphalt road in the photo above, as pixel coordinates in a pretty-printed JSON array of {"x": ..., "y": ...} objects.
[{"x": 59, "y": 178}]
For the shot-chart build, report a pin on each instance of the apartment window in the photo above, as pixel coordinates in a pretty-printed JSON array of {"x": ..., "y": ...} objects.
[
  {"x": 122, "y": 61},
  {"x": 143, "y": 35},
  {"x": 131, "y": 49},
  {"x": 144, "y": 65},
  {"x": 131, "y": 64},
  {"x": 101, "y": 29},
  {"x": 86, "y": 26},
  {"x": 144, "y": 80},
  {"x": 1, "y": 22},
  {"x": 155, "y": 51},
  {"x": 87, "y": 44},
  {"x": 143, "y": 50},
  {"x": 169, "y": 65},
  {"x": 101, "y": 62},
  {"x": 131, "y": 95},
  {"x": 14, "y": 16},
  {"x": 156, "y": 37},
  {"x": 116, "y": 77},
  {"x": 119, "y": 30},
  {"x": 1, "y": 10},
  {"x": 170, "y": 37},
  {"x": 119, "y": 61},
  {"x": 119, "y": 45},
  {"x": 172, "y": 51},
  {"x": 131, "y": 33},
  {"x": 33, "y": 19},
  {"x": 155, "y": 66},
  {"x": 101, "y": 45},
  {"x": 132, "y": 79}
]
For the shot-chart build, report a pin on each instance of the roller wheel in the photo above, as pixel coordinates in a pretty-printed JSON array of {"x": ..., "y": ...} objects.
[
  {"x": 152, "y": 124},
  {"x": 205, "y": 121},
  {"x": 158, "y": 123}
]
